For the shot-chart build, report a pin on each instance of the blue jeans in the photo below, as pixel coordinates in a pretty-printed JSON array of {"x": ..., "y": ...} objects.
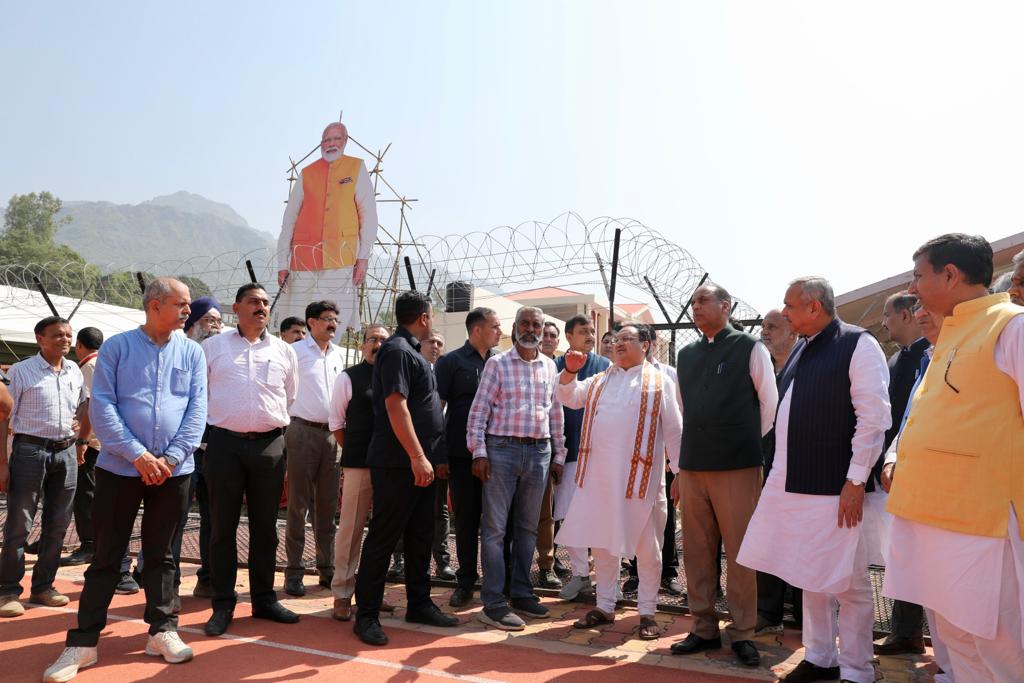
[
  {"x": 36, "y": 473},
  {"x": 519, "y": 474}
]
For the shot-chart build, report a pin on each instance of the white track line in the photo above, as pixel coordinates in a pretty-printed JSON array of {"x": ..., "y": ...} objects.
[{"x": 384, "y": 664}]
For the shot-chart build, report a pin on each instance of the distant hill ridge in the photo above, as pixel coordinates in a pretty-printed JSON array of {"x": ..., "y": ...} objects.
[{"x": 175, "y": 227}]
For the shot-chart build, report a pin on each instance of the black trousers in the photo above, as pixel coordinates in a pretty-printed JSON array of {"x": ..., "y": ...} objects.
[
  {"x": 400, "y": 510},
  {"x": 771, "y": 596},
  {"x": 907, "y": 620},
  {"x": 116, "y": 504},
  {"x": 234, "y": 468},
  {"x": 467, "y": 499},
  {"x": 84, "y": 495},
  {"x": 669, "y": 551}
]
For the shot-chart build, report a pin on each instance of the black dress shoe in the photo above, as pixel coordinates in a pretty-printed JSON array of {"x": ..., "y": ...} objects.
[
  {"x": 32, "y": 548},
  {"x": 445, "y": 573},
  {"x": 275, "y": 611},
  {"x": 431, "y": 616},
  {"x": 746, "y": 653},
  {"x": 326, "y": 579},
  {"x": 694, "y": 643},
  {"x": 547, "y": 578},
  {"x": 461, "y": 597},
  {"x": 805, "y": 672},
  {"x": 219, "y": 622},
  {"x": 370, "y": 632},
  {"x": 894, "y": 645},
  {"x": 293, "y": 586},
  {"x": 631, "y": 584},
  {"x": 82, "y": 555}
]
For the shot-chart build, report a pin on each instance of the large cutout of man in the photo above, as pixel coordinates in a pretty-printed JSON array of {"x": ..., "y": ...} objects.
[{"x": 328, "y": 231}]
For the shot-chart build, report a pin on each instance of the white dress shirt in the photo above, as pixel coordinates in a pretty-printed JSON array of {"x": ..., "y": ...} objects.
[
  {"x": 340, "y": 397},
  {"x": 251, "y": 384},
  {"x": 317, "y": 372},
  {"x": 796, "y": 536}
]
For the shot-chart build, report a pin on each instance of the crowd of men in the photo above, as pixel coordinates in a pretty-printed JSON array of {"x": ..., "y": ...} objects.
[{"x": 781, "y": 451}]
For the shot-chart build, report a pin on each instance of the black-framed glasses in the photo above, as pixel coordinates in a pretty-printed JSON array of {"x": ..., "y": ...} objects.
[{"x": 952, "y": 355}]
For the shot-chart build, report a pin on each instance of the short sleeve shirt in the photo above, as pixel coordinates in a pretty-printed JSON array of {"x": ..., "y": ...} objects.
[{"x": 399, "y": 368}]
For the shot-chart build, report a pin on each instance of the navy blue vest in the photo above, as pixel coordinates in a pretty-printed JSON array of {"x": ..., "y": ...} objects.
[{"x": 821, "y": 416}]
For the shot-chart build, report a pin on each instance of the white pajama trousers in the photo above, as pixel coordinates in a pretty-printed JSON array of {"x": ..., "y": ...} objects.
[{"x": 648, "y": 565}]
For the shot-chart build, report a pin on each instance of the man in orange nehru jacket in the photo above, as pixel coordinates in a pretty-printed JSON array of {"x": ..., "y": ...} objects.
[{"x": 328, "y": 231}]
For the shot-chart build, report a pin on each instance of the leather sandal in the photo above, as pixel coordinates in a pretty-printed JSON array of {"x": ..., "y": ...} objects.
[
  {"x": 649, "y": 629},
  {"x": 594, "y": 617}
]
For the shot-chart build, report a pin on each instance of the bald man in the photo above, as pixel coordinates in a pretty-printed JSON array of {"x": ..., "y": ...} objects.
[{"x": 328, "y": 231}]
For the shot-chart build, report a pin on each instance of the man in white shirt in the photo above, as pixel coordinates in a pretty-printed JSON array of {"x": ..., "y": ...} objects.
[
  {"x": 809, "y": 525},
  {"x": 313, "y": 472},
  {"x": 253, "y": 381}
]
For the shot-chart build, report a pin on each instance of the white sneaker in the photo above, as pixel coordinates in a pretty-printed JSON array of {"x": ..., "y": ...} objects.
[
  {"x": 168, "y": 645},
  {"x": 575, "y": 586},
  {"x": 67, "y": 665}
]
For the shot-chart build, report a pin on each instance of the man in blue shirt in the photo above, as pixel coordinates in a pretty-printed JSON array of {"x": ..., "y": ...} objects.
[
  {"x": 579, "y": 332},
  {"x": 148, "y": 408}
]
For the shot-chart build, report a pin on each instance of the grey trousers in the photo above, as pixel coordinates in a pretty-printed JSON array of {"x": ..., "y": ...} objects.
[{"x": 313, "y": 485}]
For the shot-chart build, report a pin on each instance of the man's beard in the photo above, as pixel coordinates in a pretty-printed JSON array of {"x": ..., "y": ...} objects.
[
  {"x": 199, "y": 335},
  {"x": 528, "y": 341},
  {"x": 331, "y": 157}
]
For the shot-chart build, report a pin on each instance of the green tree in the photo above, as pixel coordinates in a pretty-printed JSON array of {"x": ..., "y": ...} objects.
[{"x": 30, "y": 224}]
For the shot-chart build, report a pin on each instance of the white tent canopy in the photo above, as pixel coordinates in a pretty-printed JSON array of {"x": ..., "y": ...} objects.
[{"x": 21, "y": 309}]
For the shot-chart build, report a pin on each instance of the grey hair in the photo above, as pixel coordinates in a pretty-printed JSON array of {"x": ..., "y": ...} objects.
[
  {"x": 528, "y": 309},
  {"x": 1004, "y": 282},
  {"x": 1018, "y": 258},
  {"x": 375, "y": 326},
  {"x": 903, "y": 301},
  {"x": 819, "y": 289},
  {"x": 158, "y": 289}
]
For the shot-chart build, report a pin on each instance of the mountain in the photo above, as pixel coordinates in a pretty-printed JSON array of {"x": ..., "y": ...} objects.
[
  {"x": 195, "y": 203},
  {"x": 178, "y": 233}
]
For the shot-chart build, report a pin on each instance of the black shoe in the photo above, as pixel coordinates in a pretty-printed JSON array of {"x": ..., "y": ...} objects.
[
  {"x": 805, "y": 672},
  {"x": 369, "y": 631},
  {"x": 32, "y": 548},
  {"x": 444, "y": 573},
  {"x": 218, "y": 623},
  {"x": 672, "y": 585},
  {"x": 561, "y": 570},
  {"x": 326, "y": 579},
  {"x": 894, "y": 645},
  {"x": 548, "y": 579},
  {"x": 631, "y": 584},
  {"x": 275, "y": 611},
  {"x": 83, "y": 555},
  {"x": 746, "y": 653},
  {"x": 293, "y": 586},
  {"x": 530, "y": 606},
  {"x": 137, "y": 575},
  {"x": 431, "y": 616},
  {"x": 461, "y": 597},
  {"x": 127, "y": 585},
  {"x": 694, "y": 643}
]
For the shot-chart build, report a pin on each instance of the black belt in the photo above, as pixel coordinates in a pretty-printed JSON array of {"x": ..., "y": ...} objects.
[
  {"x": 249, "y": 436},
  {"x": 526, "y": 440},
  {"x": 309, "y": 423},
  {"x": 49, "y": 444}
]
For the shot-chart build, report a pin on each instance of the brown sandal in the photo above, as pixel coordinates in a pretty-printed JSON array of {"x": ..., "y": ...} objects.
[
  {"x": 594, "y": 617},
  {"x": 649, "y": 629}
]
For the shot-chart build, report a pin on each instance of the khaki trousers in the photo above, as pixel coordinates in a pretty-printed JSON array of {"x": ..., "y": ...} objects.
[
  {"x": 717, "y": 507},
  {"x": 356, "y": 498},
  {"x": 546, "y": 531}
]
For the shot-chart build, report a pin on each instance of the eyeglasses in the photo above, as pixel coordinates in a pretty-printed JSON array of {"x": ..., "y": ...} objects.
[
  {"x": 374, "y": 340},
  {"x": 952, "y": 355},
  {"x": 328, "y": 320},
  {"x": 625, "y": 339},
  {"x": 211, "y": 321}
]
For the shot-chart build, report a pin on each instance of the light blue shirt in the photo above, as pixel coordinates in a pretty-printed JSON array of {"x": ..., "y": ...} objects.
[{"x": 148, "y": 398}]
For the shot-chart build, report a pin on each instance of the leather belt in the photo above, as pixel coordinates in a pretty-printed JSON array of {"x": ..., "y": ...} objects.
[
  {"x": 49, "y": 444},
  {"x": 248, "y": 436},
  {"x": 525, "y": 440},
  {"x": 309, "y": 423}
]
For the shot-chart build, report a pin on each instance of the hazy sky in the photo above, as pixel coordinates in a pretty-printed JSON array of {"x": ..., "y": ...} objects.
[{"x": 770, "y": 139}]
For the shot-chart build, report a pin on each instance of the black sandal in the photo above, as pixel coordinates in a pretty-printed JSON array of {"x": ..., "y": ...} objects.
[
  {"x": 649, "y": 629},
  {"x": 594, "y": 617}
]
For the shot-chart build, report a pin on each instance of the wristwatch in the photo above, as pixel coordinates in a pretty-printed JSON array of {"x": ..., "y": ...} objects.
[
  {"x": 171, "y": 460},
  {"x": 81, "y": 442},
  {"x": 855, "y": 482}
]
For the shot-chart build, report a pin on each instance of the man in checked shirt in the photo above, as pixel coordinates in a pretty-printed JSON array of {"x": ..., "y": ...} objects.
[{"x": 516, "y": 434}]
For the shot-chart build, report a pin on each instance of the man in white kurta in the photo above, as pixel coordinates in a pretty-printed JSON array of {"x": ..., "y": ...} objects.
[
  {"x": 814, "y": 541},
  {"x": 631, "y": 419},
  {"x": 326, "y": 256},
  {"x": 956, "y": 544}
]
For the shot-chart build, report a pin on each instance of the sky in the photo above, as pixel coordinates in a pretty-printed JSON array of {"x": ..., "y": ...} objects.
[{"x": 769, "y": 139}]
